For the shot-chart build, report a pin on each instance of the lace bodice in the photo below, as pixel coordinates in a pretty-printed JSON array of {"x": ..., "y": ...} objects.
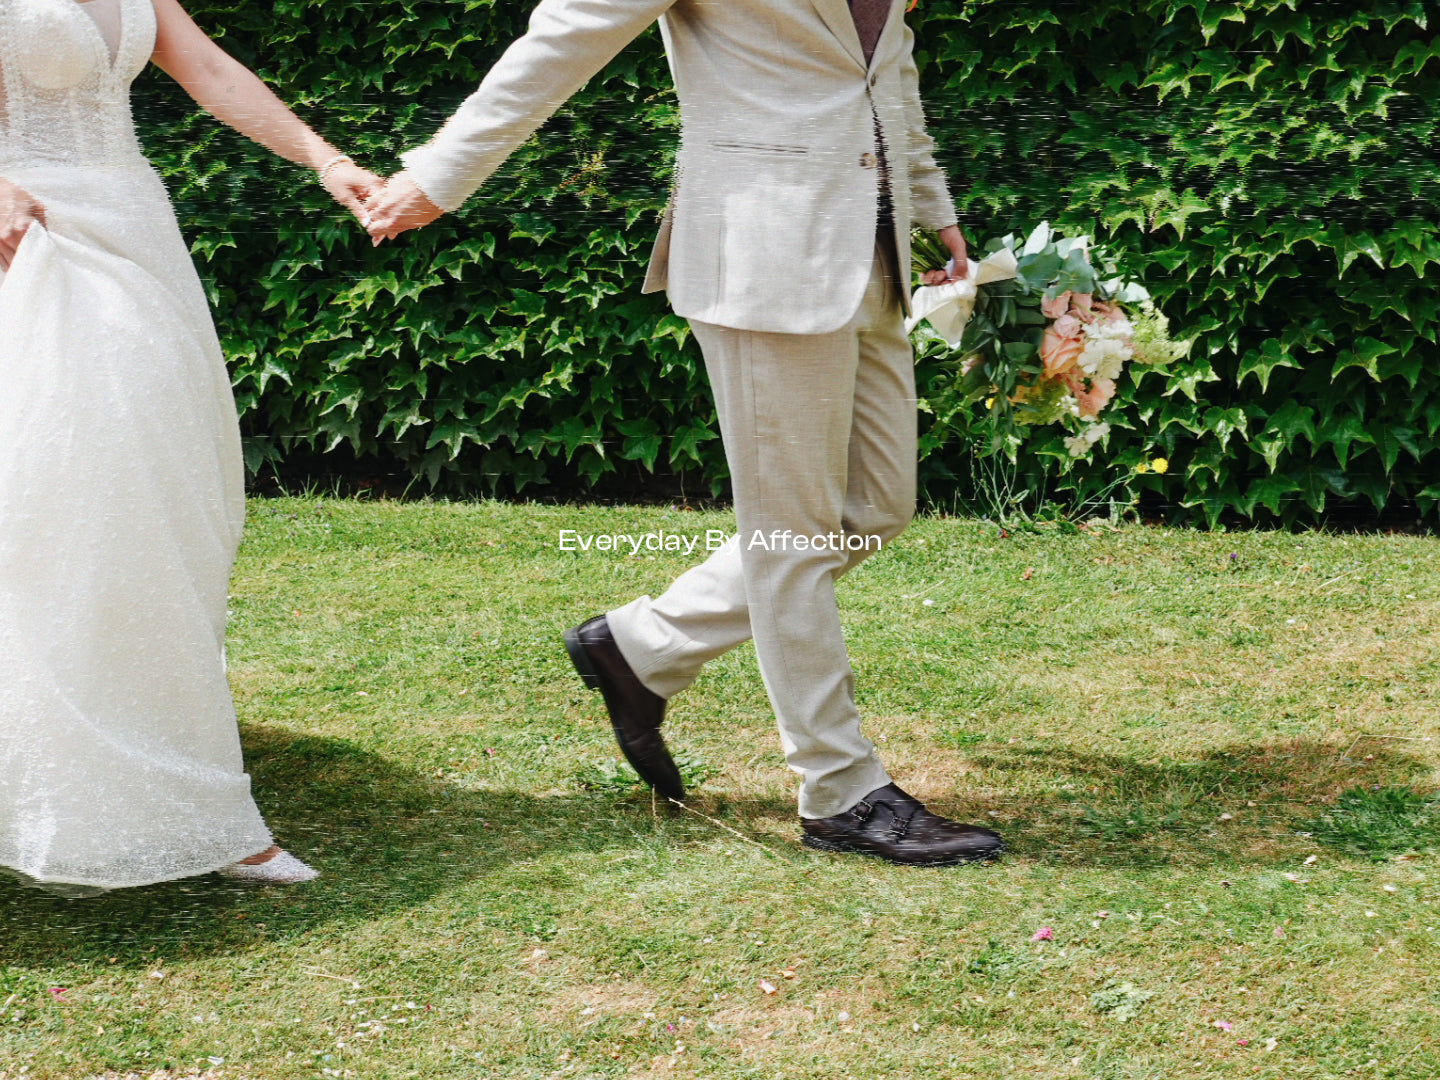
[{"x": 66, "y": 101}]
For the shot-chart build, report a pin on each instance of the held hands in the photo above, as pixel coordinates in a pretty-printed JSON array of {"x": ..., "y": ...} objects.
[
  {"x": 402, "y": 206},
  {"x": 959, "y": 268},
  {"x": 351, "y": 186},
  {"x": 18, "y": 211}
]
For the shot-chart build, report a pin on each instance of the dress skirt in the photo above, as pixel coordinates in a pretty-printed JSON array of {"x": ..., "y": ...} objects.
[{"x": 121, "y": 507}]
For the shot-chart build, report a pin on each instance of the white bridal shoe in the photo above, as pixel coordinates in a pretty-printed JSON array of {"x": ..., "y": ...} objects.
[{"x": 282, "y": 868}]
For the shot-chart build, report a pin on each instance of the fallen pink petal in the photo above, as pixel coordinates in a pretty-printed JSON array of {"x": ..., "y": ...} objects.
[
  {"x": 767, "y": 986},
  {"x": 1224, "y": 1025},
  {"x": 1043, "y": 934}
]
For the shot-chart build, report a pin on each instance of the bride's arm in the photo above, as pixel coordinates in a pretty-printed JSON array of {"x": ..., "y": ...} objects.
[
  {"x": 231, "y": 92},
  {"x": 18, "y": 211}
]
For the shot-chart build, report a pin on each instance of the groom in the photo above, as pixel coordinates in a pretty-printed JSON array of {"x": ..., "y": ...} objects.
[{"x": 802, "y": 163}]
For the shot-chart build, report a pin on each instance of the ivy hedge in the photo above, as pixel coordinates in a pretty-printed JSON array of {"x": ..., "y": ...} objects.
[{"x": 1267, "y": 167}]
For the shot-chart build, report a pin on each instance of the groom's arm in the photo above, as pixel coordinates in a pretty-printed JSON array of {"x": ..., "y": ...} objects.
[
  {"x": 930, "y": 201},
  {"x": 568, "y": 41}
]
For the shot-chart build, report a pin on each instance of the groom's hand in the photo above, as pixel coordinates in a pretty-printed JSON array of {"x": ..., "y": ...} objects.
[
  {"x": 959, "y": 268},
  {"x": 402, "y": 206}
]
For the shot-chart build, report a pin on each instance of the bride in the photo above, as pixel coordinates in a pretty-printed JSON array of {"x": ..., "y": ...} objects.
[{"x": 121, "y": 497}]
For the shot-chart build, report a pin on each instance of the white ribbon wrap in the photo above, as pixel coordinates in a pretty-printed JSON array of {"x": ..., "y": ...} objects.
[{"x": 948, "y": 307}]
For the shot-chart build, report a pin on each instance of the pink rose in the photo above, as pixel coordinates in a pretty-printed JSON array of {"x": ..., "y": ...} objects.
[
  {"x": 1058, "y": 353},
  {"x": 1053, "y": 309},
  {"x": 1068, "y": 326},
  {"x": 1095, "y": 398},
  {"x": 1108, "y": 312},
  {"x": 1081, "y": 306}
]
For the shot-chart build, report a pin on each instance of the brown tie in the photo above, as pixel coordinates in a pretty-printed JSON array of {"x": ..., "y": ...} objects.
[{"x": 870, "y": 16}]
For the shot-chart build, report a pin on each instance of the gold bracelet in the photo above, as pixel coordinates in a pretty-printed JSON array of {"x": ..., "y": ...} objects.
[{"x": 324, "y": 170}]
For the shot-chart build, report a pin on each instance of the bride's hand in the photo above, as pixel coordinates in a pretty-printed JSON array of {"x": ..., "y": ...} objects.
[
  {"x": 352, "y": 187},
  {"x": 18, "y": 211}
]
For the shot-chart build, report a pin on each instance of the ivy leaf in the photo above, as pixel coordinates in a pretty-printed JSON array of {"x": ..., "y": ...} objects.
[
  {"x": 1262, "y": 361},
  {"x": 1171, "y": 75},
  {"x": 1292, "y": 419},
  {"x": 1390, "y": 439},
  {"x": 1348, "y": 248},
  {"x": 1343, "y": 432},
  {"x": 1413, "y": 244},
  {"x": 1366, "y": 352},
  {"x": 1209, "y": 458},
  {"x": 1187, "y": 379},
  {"x": 1317, "y": 483},
  {"x": 1271, "y": 492},
  {"x": 574, "y": 432},
  {"x": 1374, "y": 485},
  {"x": 1211, "y": 15},
  {"x": 1223, "y": 423},
  {"x": 1269, "y": 446},
  {"x": 1414, "y": 55},
  {"x": 642, "y": 441},
  {"x": 685, "y": 443}
]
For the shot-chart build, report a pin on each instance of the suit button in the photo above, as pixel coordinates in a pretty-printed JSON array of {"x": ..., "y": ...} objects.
[
  {"x": 867, "y": 160},
  {"x": 874, "y": 79}
]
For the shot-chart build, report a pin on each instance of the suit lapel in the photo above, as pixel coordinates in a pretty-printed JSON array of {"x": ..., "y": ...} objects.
[{"x": 836, "y": 14}]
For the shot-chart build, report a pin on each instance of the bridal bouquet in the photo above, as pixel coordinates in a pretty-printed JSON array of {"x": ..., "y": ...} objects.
[{"x": 1042, "y": 330}]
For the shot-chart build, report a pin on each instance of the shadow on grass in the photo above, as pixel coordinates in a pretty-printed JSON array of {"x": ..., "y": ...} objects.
[
  {"x": 1234, "y": 806},
  {"x": 385, "y": 837},
  {"x": 388, "y": 838}
]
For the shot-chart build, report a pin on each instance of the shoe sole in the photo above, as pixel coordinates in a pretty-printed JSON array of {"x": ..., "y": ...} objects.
[
  {"x": 586, "y": 670},
  {"x": 820, "y": 844}
]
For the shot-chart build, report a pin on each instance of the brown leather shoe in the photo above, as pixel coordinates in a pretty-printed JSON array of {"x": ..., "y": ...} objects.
[
  {"x": 891, "y": 824},
  {"x": 635, "y": 712}
]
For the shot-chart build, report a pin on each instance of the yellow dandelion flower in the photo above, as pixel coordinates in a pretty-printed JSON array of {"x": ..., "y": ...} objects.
[
  {"x": 1160, "y": 464},
  {"x": 1142, "y": 468}
]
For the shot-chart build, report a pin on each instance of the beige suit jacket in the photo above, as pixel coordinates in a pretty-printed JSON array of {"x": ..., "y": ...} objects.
[{"x": 771, "y": 225}]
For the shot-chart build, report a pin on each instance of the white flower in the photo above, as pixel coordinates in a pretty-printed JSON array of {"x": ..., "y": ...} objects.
[
  {"x": 1088, "y": 437},
  {"x": 1104, "y": 356},
  {"x": 1112, "y": 364},
  {"x": 1119, "y": 330}
]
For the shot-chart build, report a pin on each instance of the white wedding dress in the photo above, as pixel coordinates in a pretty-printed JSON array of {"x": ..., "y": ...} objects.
[{"x": 121, "y": 496}]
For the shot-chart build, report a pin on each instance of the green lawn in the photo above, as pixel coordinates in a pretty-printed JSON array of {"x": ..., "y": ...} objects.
[{"x": 1213, "y": 757}]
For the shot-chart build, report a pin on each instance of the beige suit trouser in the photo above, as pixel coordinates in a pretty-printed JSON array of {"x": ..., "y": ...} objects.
[{"x": 820, "y": 432}]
